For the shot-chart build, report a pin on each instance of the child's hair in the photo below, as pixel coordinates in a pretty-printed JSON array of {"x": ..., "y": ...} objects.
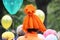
[{"x": 32, "y": 30}]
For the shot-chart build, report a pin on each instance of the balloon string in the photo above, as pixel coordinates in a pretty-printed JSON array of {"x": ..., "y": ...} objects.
[{"x": 13, "y": 22}]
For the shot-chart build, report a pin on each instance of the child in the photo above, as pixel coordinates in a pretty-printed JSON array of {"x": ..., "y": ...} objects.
[{"x": 31, "y": 24}]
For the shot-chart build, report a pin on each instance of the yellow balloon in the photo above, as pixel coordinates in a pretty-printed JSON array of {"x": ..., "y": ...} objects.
[
  {"x": 40, "y": 14},
  {"x": 6, "y": 21},
  {"x": 8, "y": 35}
]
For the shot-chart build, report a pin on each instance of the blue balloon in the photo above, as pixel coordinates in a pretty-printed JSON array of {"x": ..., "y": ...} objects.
[
  {"x": 12, "y": 6},
  {"x": 51, "y": 37}
]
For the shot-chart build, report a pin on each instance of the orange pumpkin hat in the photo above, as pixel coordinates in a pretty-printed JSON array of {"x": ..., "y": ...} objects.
[{"x": 31, "y": 20}]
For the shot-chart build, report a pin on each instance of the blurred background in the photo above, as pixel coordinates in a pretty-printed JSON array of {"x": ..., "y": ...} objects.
[{"x": 51, "y": 9}]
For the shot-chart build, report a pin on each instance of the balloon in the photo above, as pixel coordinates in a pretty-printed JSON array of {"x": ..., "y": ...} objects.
[
  {"x": 41, "y": 36},
  {"x": 49, "y": 31},
  {"x": 51, "y": 37},
  {"x": 8, "y": 35},
  {"x": 6, "y": 21},
  {"x": 40, "y": 14},
  {"x": 58, "y": 35},
  {"x": 19, "y": 30},
  {"x": 12, "y": 6}
]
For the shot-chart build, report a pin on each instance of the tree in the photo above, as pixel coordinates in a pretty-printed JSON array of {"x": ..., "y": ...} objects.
[
  {"x": 1, "y": 14},
  {"x": 53, "y": 18},
  {"x": 42, "y": 4}
]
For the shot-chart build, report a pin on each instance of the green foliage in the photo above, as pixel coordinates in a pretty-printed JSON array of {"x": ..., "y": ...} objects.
[
  {"x": 53, "y": 18},
  {"x": 19, "y": 16}
]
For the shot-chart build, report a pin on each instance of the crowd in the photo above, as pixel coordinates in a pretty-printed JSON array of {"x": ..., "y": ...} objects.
[
  {"x": 49, "y": 34},
  {"x": 31, "y": 29}
]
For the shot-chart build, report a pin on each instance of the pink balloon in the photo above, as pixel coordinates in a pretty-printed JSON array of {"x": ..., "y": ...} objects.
[{"x": 49, "y": 31}]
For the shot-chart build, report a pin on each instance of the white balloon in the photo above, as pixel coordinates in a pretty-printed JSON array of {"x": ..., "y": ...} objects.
[
  {"x": 19, "y": 28},
  {"x": 51, "y": 37},
  {"x": 41, "y": 36}
]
